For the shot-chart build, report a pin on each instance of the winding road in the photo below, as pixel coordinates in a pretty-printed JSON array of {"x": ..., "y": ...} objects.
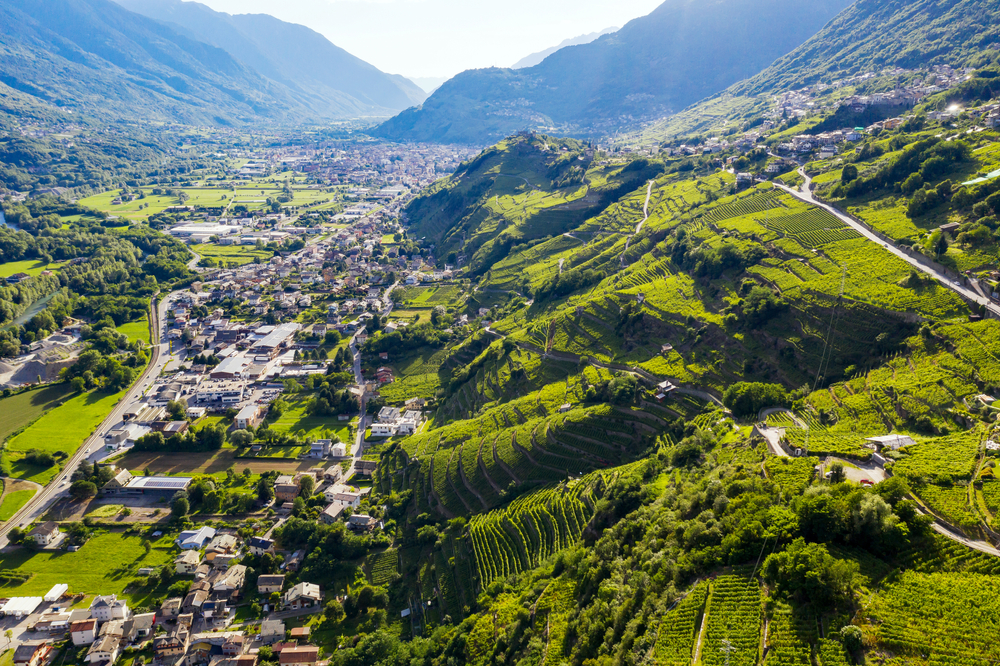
[{"x": 919, "y": 262}]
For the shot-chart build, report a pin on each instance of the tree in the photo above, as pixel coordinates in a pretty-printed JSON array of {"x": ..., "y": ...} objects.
[
  {"x": 78, "y": 384},
  {"x": 307, "y": 485},
  {"x": 180, "y": 507},
  {"x": 265, "y": 493},
  {"x": 147, "y": 546},
  {"x": 177, "y": 410},
  {"x": 837, "y": 472},
  {"x": 333, "y": 611},
  {"x": 851, "y": 637},
  {"x": 82, "y": 489},
  {"x": 807, "y": 571},
  {"x": 849, "y": 173},
  {"x": 241, "y": 438}
]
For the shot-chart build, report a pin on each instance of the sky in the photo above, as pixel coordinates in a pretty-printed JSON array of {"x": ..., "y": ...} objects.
[{"x": 440, "y": 38}]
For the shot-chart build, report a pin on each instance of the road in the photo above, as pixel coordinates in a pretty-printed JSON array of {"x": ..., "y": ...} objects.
[
  {"x": 638, "y": 227},
  {"x": 804, "y": 193},
  {"x": 159, "y": 357}
]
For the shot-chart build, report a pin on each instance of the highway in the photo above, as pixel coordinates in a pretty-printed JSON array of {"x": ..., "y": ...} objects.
[{"x": 159, "y": 357}]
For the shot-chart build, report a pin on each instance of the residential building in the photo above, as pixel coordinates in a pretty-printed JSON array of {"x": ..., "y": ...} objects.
[
  {"x": 285, "y": 489},
  {"x": 249, "y": 417},
  {"x": 272, "y": 631},
  {"x": 32, "y": 653},
  {"x": 45, "y": 533},
  {"x": 187, "y": 562},
  {"x": 171, "y": 608},
  {"x": 300, "y": 655},
  {"x": 260, "y": 545},
  {"x": 266, "y": 584},
  {"x": 104, "y": 650},
  {"x": 170, "y": 646},
  {"x": 83, "y": 632},
  {"x": 302, "y": 595},
  {"x": 110, "y": 607}
]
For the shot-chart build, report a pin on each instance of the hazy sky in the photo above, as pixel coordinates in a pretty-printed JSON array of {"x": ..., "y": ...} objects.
[{"x": 444, "y": 37}]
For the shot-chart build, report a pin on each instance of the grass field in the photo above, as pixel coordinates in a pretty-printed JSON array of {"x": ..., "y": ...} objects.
[
  {"x": 104, "y": 565},
  {"x": 416, "y": 375},
  {"x": 241, "y": 254},
  {"x": 30, "y": 266},
  {"x": 21, "y": 409},
  {"x": 60, "y": 429},
  {"x": 12, "y": 502},
  {"x": 295, "y": 420},
  {"x": 136, "y": 330}
]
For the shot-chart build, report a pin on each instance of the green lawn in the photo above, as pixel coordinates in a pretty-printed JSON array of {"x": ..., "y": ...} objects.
[
  {"x": 295, "y": 420},
  {"x": 60, "y": 429},
  {"x": 240, "y": 254},
  {"x": 13, "y": 502},
  {"x": 30, "y": 266},
  {"x": 21, "y": 409},
  {"x": 136, "y": 330},
  {"x": 104, "y": 565}
]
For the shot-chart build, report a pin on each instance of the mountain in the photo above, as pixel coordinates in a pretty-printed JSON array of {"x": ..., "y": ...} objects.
[
  {"x": 874, "y": 34},
  {"x": 535, "y": 58},
  {"x": 295, "y": 56},
  {"x": 868, "y": 36},
  {"x": 428, "y": 83},
  {"x": 681, "y": 52},
  {"x": 79, "y": 55}
]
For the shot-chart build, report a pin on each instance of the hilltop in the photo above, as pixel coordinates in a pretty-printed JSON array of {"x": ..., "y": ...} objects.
[{"x": 657, "y": 64}]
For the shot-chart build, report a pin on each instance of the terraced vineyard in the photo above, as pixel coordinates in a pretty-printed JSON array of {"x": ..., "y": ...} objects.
[
  {"x": 946, "y": 618},
  {"x": 678, "y": 629},
  {"x": 791, "y": 474},
  {"x": 790, "y": 638},
  {"x": 758, "y": 202},
  {"x": 383, "y": 567},
  {"x": 812, "y": 228},
  {"x": 533, "y": 527},
  {"x": 734, "y": 616}
]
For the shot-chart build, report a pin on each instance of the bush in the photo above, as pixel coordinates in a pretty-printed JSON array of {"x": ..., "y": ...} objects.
[{"x": 746, "y": 399}]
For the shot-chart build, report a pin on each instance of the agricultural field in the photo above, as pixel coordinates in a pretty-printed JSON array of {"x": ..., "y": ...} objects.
[
  {"x": 136, "y": 330},
  {"x": 106, "y": 564},
  {"x": 62, "y": 429},
  {"x": 791, "y": 474},
  {"x": 416, "y": 375},
  {"x": 679, "y": 629},
  {"x": 231, "y": 254},
  {"x": 295, "y": 421},
  {"x": 32, "y": 267},
  {"x": 417, "y": 297},
  {"x": 734, "y": 615},
  {"x": 941, "y": 617},
  {"x": 21, "y": 409},
  {"x": 13, "y": 501},
  {"x": 383, "y": 567}
]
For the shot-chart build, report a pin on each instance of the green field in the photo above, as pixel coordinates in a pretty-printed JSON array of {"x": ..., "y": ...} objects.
[
  {"x": 30, "y": 266},
  {"x": 240, "y": 254},
  {"x": 12, "y": 502},
  {"x": 136, "y": 330},
  {"x": 294, "y": 420},
  {"x": 104, "y": 565},
  {"x": 416, "y": 376},
  {"x": 21, "y": 409},
  {"x": 62, "y": 429}
]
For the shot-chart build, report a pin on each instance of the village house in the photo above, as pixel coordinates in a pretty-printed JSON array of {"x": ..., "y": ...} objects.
[
  {"x": 302, "y": 595},
  {"x": 268, "y": 583},
  {"x": 83, "y": 632},
  {"x": 32, "y": 653},
  {"x": 45, "y": 533},
  {"x": 110, "y": 607},
  {"x": 187, "y": 562},
  {"x": 260, "y": 545}
]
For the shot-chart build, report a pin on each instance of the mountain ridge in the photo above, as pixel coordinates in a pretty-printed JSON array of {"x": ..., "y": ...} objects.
[
  {"x": 535, "y": 58},
  {"x": 652, "y": 66}
]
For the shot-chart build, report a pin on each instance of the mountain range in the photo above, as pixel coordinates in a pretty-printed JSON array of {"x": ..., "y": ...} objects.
[
  {"x": 183, "y": 62},
  {"x": 539, "y": 56},
  {"x": 680, "y": 53}
]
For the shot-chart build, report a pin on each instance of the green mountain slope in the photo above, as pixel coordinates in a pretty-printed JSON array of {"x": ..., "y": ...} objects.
[
  {"x": 293, "y": 55},
  {"x": 657, "y": 64},
  {"x": 873, "y": 34},
  {"x": 79, "y": 54},
  {"x": 868, "y": 36}
]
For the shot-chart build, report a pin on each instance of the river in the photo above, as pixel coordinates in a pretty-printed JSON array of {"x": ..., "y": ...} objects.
[{"x": 32, "y": 310}]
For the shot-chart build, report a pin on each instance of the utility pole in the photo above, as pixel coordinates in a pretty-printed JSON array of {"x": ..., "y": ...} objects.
[{"x": 727, "y": 648}]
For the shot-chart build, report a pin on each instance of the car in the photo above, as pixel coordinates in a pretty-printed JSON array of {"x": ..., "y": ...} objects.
[
  {"x": 867, "y": 482},
  {"x": 956, "y": 282}
]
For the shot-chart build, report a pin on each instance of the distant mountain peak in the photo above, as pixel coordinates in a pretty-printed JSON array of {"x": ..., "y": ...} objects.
[{"x": 539, "y": 56}]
